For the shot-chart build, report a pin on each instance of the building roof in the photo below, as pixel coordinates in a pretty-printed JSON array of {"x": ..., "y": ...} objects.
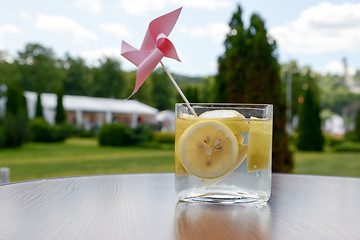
[
  {"x": 166, "y": 115},
  {"x": 93, "y": 104}
]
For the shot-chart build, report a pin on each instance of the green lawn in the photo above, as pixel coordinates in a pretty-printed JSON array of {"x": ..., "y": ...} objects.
[
  {"x": 82, "y": 157},
  {"x": 328, "y": 163},
  {"x": 85, "y": 157}
]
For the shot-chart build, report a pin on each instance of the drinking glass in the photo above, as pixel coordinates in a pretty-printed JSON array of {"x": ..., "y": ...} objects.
[{"x": 223, "y": 152}]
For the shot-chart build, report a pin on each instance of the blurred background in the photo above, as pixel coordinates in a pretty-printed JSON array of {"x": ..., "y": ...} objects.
[{"x": 63, "y": 82}]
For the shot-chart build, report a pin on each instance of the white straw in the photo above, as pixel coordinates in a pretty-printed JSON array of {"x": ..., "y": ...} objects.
[{"x": 178, "y": 89}]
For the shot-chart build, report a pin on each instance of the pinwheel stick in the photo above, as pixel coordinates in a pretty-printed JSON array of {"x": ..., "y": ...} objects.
[{"x": 178, "y": 89}]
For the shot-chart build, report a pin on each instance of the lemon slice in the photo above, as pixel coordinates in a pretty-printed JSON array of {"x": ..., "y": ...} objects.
[
  {"x": 231, "y": 118},
  {"x": 242, "y": 153},
  {"x": 260, "y": 141},
  {"x": 208, "y": 149}
]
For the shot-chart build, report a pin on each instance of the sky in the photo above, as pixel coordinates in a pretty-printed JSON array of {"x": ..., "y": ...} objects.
[{"x": 319, "y": 34}]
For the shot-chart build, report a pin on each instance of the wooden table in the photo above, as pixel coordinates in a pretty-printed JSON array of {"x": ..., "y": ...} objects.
[{"x": 144, "y": 206}]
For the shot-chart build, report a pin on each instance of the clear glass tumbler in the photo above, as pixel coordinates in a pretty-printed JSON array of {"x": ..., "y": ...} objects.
[{"x": 223, "y": 152}]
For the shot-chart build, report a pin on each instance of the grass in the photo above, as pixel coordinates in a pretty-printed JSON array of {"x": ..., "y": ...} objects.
[
  {"x": 328, "y": 163},
  {"x": 85, "y": 157}
]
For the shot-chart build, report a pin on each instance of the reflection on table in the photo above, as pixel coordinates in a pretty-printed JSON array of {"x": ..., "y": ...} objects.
[{"x": 214, "y": 221}]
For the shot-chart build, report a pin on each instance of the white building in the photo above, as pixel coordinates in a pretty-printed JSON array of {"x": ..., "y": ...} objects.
[
  {"x": 89, "y": 112},
  {"x": 167, "y": 120},
  {"x": 335, "y": 125}
]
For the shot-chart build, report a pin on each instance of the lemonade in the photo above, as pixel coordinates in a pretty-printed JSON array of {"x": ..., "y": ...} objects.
[{"x": 223, "y": 154}]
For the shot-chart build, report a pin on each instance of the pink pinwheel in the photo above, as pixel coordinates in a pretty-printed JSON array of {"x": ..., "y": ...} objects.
[{"x": 155, "y": 46}]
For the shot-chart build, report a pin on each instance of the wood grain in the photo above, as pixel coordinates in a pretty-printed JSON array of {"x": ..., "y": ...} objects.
[{"x": 144, "y": 206}]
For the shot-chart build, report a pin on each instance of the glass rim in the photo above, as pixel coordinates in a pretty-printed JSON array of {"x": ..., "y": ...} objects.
[{"x": 225, "y": 104}]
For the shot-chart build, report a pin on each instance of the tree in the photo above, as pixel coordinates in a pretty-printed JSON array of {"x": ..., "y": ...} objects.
[
  {"x": 16, "y": 123},
  {"x": 60, "y": 116},
  {"x": 157, "y": 91},
  {"x": 310, "y": 135},
  {"x": 162, "y": 90},
  {"x": 40, "y": 69},
  {"x": 78, "y": 77},
  {"x": 108, "y": 79},
  {"x": 205, "y": 89},
  {"x": 144, "y": 94},
  {"x": 39, "y": 108},
  {"x": 192, "y": 94},
  {"x": 357, "y": 125},
  {"x": 249, "y": 72},
  {"x": 9, "y": 72}
]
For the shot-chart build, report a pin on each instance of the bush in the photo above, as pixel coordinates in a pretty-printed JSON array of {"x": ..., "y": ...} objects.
[
  {"x": 162, "y": 137},
  {"x": 143, "y": 133},
  {"x": 82, "y": 133},
  {"x": 60, "y": 132},
  {"x": 351, "y": 136},
  {"x": 119, "y": 134},
  {"x": 332, "y": 141},
  {"x": 116, "y": 134},
  {"x": 347, "y": 147},
  {"x": 41, "y": 131},
  {"x": 16, "y": 129}
]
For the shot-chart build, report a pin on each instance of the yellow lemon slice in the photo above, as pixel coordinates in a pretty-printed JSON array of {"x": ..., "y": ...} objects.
[
  {"x": 260, "y": 141},
  {"x": 231, "y": 118},
  {"x": 242, "y": 153},
  {"x": 208, "y": 149}
]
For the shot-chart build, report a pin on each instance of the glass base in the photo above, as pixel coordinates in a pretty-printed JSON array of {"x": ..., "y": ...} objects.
[{"x": 222, "y": 198}]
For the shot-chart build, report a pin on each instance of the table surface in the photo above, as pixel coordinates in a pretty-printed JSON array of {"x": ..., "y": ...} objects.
[{"x": 145, "y": 206}]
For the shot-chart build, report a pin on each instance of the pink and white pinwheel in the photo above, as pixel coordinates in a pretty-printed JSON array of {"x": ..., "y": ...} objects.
[{"x": 155, "y": 46}]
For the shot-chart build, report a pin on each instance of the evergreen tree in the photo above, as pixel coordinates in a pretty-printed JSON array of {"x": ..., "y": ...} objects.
[
  {"x": 249, "y": 72},
  {"x": 39, "y": 108},
  {"x": 357, "y": 125},
  {"x": 60, "y": 116},
  {"x": 16, "y": 123},
  {"x": 310, "y": 135}
]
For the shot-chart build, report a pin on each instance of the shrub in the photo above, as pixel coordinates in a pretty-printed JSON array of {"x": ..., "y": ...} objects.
[
  {"x": 16, "y": 129},
  {"x": 41, "y": 131},
  {"x": 162, "y": 137},
  {"x": 116, "y": 134},
  {"x": 332, "y": 141},
  {"x": 60, "y": 132},
  {"x": 82, "y": 133},
  {"x": 143, "y": 133},
  {"x": 351, "y": 136},
  {"x": 347, "y": 147}
]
